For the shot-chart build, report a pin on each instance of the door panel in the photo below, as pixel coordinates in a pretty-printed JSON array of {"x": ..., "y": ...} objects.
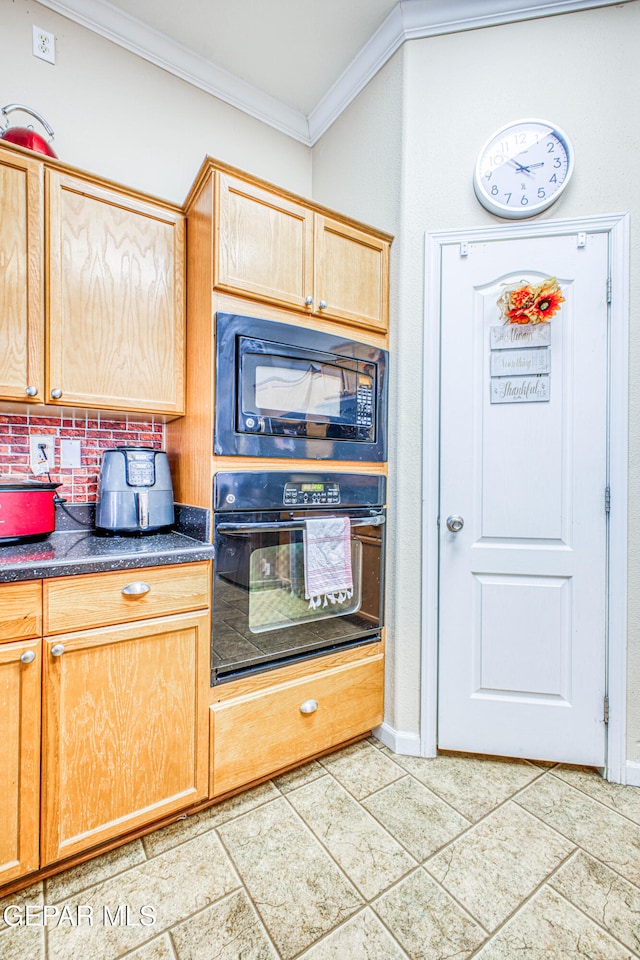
[{"x": 522, "y": 595}]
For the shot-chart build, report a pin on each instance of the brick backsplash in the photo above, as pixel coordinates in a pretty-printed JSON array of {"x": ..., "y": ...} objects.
[{"x": 80, "y": 484}]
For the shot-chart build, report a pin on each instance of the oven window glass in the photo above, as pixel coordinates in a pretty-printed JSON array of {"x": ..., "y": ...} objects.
[{"x": 276, "y": 588}]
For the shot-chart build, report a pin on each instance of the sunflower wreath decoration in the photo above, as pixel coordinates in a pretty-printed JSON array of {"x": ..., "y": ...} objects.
[{"x": 525, "y": 303}]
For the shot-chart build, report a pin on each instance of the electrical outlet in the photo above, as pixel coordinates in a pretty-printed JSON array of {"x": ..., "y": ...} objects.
[
  {"x": 44, "y": 45},
  {"x": 41, "y": 453}
]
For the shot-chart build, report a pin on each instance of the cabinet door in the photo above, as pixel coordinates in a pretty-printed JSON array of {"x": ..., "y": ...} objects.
[
  {"x": 21, "y": 278},
  {"x": 263, "y": 244},
  {"x": 115, "y": 299},
  {"x": 19, "y": 758},
  {"x": 351, "y": 275},
  {"x": 124, "y": 729}
]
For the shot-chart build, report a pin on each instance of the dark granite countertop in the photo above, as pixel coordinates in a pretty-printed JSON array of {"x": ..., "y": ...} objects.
[{"x": 69, "y": 552}]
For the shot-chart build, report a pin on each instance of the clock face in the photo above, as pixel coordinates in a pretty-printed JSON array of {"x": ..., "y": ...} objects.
[{"x": 523, "y": 168}]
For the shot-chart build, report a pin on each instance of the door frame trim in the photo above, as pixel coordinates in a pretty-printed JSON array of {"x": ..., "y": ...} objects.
[{"x": 617, "y": 227}]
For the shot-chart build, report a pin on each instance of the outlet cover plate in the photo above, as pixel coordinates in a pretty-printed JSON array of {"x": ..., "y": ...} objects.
[
  {"x": 43, "y": 44},
  {"x": 39, "y": 462}
]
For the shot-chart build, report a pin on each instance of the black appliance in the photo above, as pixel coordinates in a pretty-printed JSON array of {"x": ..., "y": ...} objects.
[
  {"x": 288, "y": 391},
  {"x": 261, "y": 618}
]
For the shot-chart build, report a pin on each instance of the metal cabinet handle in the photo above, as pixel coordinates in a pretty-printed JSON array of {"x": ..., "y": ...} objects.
[
  {"x": 31, "y": 391},
  {"x": 308, "y": 301},
  {"x": 28, "y": 656},
  {"x": 56, "y": 393},
  {"x": 322, "y": 305},
  {"x": 57, "y": 650},
  {"x": 309, "y": 706},
  {"x": 136, "y": 589},
  {"x": 455, "y": 524}
]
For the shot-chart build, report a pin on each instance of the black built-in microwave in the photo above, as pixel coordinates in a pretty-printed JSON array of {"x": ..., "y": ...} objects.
[{"x": 288, "y": 391}]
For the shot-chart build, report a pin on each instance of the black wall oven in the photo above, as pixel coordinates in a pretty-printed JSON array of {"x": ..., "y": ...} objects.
[
  {"x": 261, "y": 616},
  {"x": 288, "y": 391}
]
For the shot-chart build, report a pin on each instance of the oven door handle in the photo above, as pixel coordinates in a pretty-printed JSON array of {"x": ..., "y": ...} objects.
[{"x": 231, "y": 528}]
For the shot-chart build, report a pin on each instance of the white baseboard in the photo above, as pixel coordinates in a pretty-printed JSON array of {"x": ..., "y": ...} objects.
[
  {"x": 633, "y": 773},
  {"x": 402, "y": 742}
]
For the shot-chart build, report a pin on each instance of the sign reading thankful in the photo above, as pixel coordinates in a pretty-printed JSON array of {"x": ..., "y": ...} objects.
[{"x": 519, "y": 389}]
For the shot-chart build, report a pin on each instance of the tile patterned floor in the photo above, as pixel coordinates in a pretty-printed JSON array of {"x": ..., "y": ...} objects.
[{"x": 364, "y": 855}]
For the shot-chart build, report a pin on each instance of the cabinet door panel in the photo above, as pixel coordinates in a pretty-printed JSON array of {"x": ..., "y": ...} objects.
[
  {"x": 116, "y": 314},
  {"x": 352, "y": 274},
  {"x": 19, "y": 759},
  {"x": 124, "y": 729},
  {"x": 264, "y": 244},
  {"x": 22, "y": 278}
]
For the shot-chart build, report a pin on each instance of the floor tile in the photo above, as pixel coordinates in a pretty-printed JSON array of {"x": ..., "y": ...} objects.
[
  {"x": 225, "y": 931},
  {"x": 597, "y": 829},
  {"x": 301, "y": 775},
  {"x": 22, "y": 943},
  {"x": 361, "y": 768},
  {"x": 182, "y": 830},
  {"x": 33, "y": 895},
  {"x": 361, "y": 938},
  {"x": 498, "y": 863},
  {"x": 175, "y": 884},
  {"x": 72, "y": 881},
  {"x": 427, "y": 923},
  {"x": 625, "y": 800},
  {"x": 611, "y": 901},
  {"x": 369, "y": 856},
  {"x": 415, "y": 816},
  {"x": 282, "y": 864},
  {"x": 473, "y": 785},
  {"x": 548, "y": 928},
  {"x": 158, "y": 949}
]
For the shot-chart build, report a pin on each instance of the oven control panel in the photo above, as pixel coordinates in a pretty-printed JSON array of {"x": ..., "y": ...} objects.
[{"x": 310, "y": 493}]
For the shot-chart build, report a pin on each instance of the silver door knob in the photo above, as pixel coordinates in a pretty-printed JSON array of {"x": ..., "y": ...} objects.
[
  {"x": 136, "y": 589},
  {"x": 28, "y": 656},
  {"x": 57, "y": 650},
  {"x": 308, "y": 301},
  {"x": 31, "y": 391},
  {"x": 455, "y": 524},
  {"x": 322, "y": 305},
  {"x": 56, "y": 393}
]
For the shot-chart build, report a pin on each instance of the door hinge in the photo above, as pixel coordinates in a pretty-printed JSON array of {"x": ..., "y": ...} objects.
[
  {"x": 608, "y": 289},
  {"x": 606, "y": 709},
  {"x": 607, "y": 499}
]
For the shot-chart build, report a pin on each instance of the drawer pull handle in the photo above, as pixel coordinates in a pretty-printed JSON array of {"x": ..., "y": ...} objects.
[
  {"x": 28, "y": 656},
  {"x": 136, "y": 589},
  {"x": 57, "y": 650},
  {"x": 309, "y": 706}
]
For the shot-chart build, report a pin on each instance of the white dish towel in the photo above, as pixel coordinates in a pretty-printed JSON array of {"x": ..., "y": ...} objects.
[{"x": 328, "y": 577}]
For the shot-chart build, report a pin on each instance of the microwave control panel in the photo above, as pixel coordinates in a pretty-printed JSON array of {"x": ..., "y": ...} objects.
[
  {"x": 306, "y": 492},
  {"x": 364, "y": 401}
]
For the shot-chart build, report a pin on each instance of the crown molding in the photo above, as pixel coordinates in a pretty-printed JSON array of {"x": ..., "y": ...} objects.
[{"x": 409, "y": 20}]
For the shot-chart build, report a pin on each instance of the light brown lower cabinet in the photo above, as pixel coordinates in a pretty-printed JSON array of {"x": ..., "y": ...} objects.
[
  {"x": 124, "y": 729},
  {"x": 255, "y": 735},
  {"x": 19, "y": 757}
]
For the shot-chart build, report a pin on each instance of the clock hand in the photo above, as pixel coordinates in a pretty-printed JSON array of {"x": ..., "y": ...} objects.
[{"x": 528, "y": 168}]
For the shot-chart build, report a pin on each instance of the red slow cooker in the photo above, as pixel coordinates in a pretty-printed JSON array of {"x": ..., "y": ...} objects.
[{"x": 27, "y": 510}]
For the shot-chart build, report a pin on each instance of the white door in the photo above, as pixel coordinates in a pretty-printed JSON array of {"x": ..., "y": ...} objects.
[{"x": 523, "y": 582}]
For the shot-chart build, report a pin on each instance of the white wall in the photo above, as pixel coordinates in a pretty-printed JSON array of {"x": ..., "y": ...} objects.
[
  {"x": 581, "y": 70},
  {"x": 120, "y": 117}
]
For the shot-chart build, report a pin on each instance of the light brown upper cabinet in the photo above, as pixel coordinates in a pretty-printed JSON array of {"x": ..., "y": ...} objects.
[
  {"x": 270, "y": 247},
  {"x": 115, "y": 298},
  {"x": 21, "y": 278}
]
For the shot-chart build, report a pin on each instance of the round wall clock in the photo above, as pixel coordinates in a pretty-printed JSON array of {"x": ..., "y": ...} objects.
[{"x": 523, "y": 168}]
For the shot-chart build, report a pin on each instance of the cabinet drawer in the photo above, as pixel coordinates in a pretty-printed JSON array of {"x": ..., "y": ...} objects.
[
  {"x": 93, "y": 600},
  {"x": 20, "y": 610},
  {"x": 261, "y": 733}
]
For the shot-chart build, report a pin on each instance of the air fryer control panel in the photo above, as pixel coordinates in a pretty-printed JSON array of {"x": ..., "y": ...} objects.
[{"x": 140, "y": 468}]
